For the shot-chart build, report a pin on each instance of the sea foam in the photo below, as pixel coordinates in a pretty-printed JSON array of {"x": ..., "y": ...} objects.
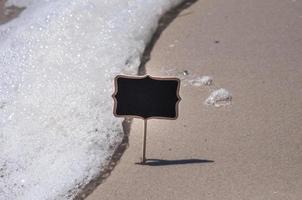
[
  {"x": 219, "y": 97},
  {"x": 57, "y": 64}
]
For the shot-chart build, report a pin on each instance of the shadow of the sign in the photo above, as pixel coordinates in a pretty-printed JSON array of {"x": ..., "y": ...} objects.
[{"x": 160, "y": 162}]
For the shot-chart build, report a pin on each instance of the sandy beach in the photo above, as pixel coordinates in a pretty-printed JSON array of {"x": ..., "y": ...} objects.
[{"x": 250, "y": 149}]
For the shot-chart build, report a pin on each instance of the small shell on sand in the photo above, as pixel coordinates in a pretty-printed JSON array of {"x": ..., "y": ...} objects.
[{"x": 219, "y": 98}]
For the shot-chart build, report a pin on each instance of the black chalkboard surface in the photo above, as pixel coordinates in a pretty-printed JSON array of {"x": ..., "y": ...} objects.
[{"x": 146, "y": 97}]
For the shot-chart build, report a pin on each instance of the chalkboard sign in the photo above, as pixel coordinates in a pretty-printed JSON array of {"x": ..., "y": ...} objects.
[{"x": 146, "y": 97}]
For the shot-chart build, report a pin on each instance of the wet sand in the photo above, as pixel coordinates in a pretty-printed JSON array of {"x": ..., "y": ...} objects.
[
  {"x": 249, "y": 150},
  {"x": 8, "y": 13}
]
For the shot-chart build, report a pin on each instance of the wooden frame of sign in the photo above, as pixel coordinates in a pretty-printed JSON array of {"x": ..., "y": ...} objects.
[{"x": 146, "y": 97}]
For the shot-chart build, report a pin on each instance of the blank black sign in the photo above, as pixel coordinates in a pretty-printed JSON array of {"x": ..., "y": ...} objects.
[{"x": 146, "y": 97}]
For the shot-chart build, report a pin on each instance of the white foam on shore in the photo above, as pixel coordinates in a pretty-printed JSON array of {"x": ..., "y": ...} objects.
[
  {"x": 200, "y": 81},
  {"x": 57, "y": 64},
  {"x": 188, "y": 77},
  {"x": 219, "y": 98}
]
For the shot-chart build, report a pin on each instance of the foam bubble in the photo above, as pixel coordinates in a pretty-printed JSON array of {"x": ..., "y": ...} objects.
[
  {"x": 188, "y": 77},
  {"x": 200, "y": 81},
  {"x": 219, "y": 98}
]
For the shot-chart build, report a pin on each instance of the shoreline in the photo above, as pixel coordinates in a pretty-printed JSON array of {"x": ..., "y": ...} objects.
[
  {"x": 163, "y": 23},
  {"x": 11, "y": 12},
  {"x": 115, "y": 159}
]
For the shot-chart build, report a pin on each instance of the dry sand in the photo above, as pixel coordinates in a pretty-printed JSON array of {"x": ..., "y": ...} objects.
[{"x": 256, "y": 143}]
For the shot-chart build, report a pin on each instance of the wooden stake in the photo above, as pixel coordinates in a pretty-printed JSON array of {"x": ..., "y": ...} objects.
[{"x": 144, "y": 142}]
